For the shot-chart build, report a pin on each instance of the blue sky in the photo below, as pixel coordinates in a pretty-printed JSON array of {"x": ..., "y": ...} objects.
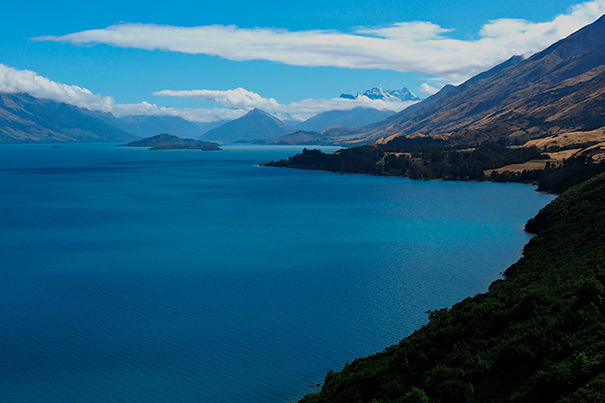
[{"x": 276, "y": 53}]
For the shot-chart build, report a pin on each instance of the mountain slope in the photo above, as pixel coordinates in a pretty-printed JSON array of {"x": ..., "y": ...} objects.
[
  {"x": 255, "y": 125},
  {"x": 25, "y": 119},
  {"x": 300, "y": 137},
  {"x": 536, "y": 336},
  {"x": 357, "y": 117},
  {"x": 560, "y": 88},
  {"x": 145, "y": 126},
  {"x": 205, "y": 127}
]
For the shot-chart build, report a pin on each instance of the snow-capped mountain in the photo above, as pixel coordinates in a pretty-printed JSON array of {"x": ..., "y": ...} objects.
[{"x": 388, "y": 95}]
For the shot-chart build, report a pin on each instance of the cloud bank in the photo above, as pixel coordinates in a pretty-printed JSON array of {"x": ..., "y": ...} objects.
[
  {"x": 237, "y": 98},
  {"x": 238, "y": 101},
  {"x": 301, "y": 110},
  {"x": 417, "y": 46},
  {"x": 428, "y": 89},
  {"x": 17, "y": 81},
  {"x": 14, "y": 81},
  {"x": 307, "y": 108}
]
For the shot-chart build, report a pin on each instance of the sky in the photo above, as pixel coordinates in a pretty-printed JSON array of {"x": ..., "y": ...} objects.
[{"x": 214, "y": 61}]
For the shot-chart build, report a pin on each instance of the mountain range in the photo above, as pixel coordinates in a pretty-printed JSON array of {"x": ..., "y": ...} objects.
[
  {"x": 25, "y": 119},
  {"x": 144, "y": 126},
  {"x": 556, "y": 91},
  {"x": 387, "y": 95},
  {"x": 259, "y": 126},
  {"x": 353, "y": 118}
]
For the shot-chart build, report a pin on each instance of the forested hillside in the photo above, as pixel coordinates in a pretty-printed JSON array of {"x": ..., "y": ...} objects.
[{"x": 433, "y": 158}]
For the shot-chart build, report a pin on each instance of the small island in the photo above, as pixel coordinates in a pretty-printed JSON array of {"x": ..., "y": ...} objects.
[{"x": 166, "y": 141}]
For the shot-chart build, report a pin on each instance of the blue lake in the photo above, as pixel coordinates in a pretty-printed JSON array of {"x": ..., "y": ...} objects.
[{"x": 130, "y": 275}]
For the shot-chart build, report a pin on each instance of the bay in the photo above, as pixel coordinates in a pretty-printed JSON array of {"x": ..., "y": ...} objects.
[{"x": 132, "y": 275}]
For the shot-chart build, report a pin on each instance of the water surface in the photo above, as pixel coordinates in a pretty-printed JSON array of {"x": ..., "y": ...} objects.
[{"x": 159, "y": 276}]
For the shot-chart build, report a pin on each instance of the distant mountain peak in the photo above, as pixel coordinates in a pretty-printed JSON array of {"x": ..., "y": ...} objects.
[
  {"x": 402, "y": 94},
  {"x": 256, "y": 110},
  {"x": 257, "y": 113},
  {"x": 254, "y": 125}
]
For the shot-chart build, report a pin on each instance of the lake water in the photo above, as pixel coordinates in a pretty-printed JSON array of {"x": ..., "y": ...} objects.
[{"x": 130, "y": 275}]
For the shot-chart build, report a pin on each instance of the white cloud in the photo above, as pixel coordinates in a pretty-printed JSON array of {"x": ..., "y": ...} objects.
[
  {"x": 15, "y": 81},
  {"x": 307, "y": 108},
  {"x": 407, "y": 31},
  {"x": 192, "y": 114},
  {"x": 237, "y": 98},
  {"x": 301, "y": 110},
  {"x": 407, "y": 46},
  {"x": 428, "y": 89}
]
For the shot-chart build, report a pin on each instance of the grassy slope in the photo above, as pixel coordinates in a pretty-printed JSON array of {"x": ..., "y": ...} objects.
[{"x": 538, "y": 335}]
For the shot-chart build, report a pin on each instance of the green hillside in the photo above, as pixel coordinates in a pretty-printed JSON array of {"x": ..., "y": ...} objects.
[{"x": 536, "y": 336}]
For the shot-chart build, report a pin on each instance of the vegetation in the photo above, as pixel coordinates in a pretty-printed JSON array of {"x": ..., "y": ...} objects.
[
  {"x": 422, "y": 158},
  {"x": 430, "y": 158},
  {"x": 166, "y": 141},
  {"x": 537, "y": 335},
  {"x": 556, "y": 178}
]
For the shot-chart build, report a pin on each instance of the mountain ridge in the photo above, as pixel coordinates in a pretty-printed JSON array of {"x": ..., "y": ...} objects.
[
  {"x": 26, "y": 119},
  {"x": 254, "y": 125},
  {"x": 146, "y": 125},
  {"x": 561, "y": 86},
  {"x": 402, "y": 94},
  {"x": 353, "y": 118}
]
